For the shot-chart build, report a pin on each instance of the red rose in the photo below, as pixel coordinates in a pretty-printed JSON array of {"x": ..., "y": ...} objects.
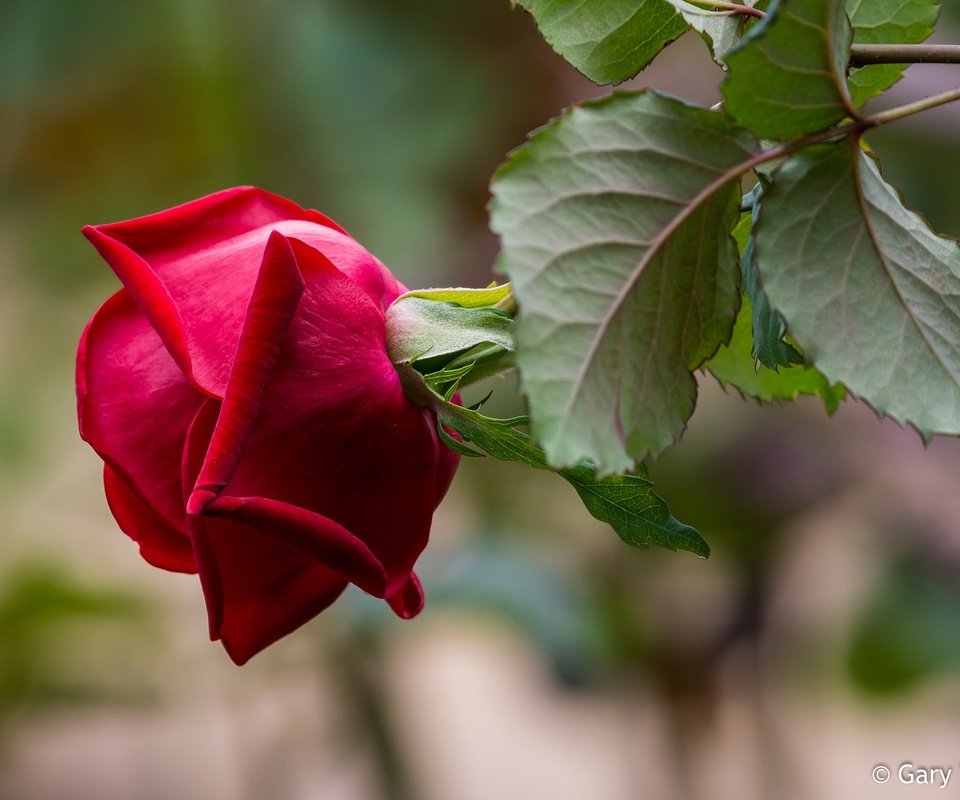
[{"x": 252, "y": 426}]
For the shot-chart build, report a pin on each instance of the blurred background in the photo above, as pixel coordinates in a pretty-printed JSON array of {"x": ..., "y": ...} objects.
[{"x": 822, "y": 636}]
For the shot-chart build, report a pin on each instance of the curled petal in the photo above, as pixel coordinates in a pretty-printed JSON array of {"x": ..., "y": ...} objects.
[
  {"x": 192, "y": 268},
  {"x": 407, "y": 601},
  {"x": 135, "y": 405},
  {"x": 160, "y": 543},
  {"x": 272, "y": 307},
  {"x": 257, "y": 587}
]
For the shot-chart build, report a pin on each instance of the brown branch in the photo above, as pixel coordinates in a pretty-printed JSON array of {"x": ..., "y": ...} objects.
[{"x": 861, "y": 54}]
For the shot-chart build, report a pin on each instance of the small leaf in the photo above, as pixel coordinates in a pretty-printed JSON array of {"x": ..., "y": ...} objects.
[
  {"x": 769, "y": 328},
  {"x": 626, "y": 502},
  {"x": 615, "y": 225},
  {"x": 465, "y": 298},
  {"x": 607, "y": 40},
  {"x": 418, "y": 328},
  {"x": 788, "y": 75},
  {"x": 869, "y": 291},
  {"x": 735, "y": 365},
  {"x": 722, "y": 30},
  {"x": 886, "y": 22},
  {"x": 447, "y": 375}
]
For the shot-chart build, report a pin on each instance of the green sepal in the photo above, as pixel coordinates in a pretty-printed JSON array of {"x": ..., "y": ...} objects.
[
  {"x": 419, "y": 328},
  {"x": 463, "y": 297}
]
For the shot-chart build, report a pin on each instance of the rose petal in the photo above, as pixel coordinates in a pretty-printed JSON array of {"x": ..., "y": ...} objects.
[
  {"x": 256, "y": 587},
  {"x": 191, "y": 269},
  {"x": 160, "y": 543},
  {"x": 272, "y": 307},
  {"x": 335, "y": 428},
  {"x": 313, "y": 535},
  {"x": 135, "y": 405},
  {"x": 407, "y": 601}
]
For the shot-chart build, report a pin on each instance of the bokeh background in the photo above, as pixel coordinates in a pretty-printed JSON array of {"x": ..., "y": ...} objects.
[{"x": 822, "y": 636}]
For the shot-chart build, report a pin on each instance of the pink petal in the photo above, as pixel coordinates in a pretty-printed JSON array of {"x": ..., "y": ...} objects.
[
  {"x": 160, "y": 544},
  {"x": 135, "y": 405}
]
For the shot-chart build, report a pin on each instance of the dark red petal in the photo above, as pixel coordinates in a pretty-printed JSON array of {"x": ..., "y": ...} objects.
[
  {"x": 331, "y": 460},
  {"x": 407, "y": 601},
  {"x": 160, "y": 544},
  {"x": 335, "y": 433},
  {"x": 257, "y": 588},
  {"x": 272, "y": 307},
  {"x": 192, "y": 269},
  {"x": 313, "y": 535},
  {"x": 351, "y": 259},
  {"x": 207, "y": 221},
  {"x": 135, "y": 405}
]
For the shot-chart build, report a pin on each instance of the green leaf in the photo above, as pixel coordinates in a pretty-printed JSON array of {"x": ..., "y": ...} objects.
[
  {"x": 720, "y": 29},
  {"x": 418, "y": 328},
  {"x": 615, "y": 225},
  {"x": 466, "y": 298},
  {"x": 869, "y": 291},
  {"x": 735, "y": 365},
  {"x": 769, "y": 328},
  {"x": 788, "y": 76},
  {"x": 886, "y": 22},
  {"x": 626, "y": 502},
  {"x": 607, "y": 40}
]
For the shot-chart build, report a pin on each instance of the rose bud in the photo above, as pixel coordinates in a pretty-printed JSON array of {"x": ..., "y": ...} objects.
[{"x": 253, "y": 428}]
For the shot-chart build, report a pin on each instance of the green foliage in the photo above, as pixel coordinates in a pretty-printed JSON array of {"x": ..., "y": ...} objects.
[
  {"x": 615, "y": 225},
  {"x": 787, "y": 77},
  {"x": 879, "y": 22},
  {"x": 871, "y": 293},
  {"x": 769, "y": 328},
  {"x": 735, "y": 365},
  {"x": 721, "y": 30},
  {"x": 615, "y": 221},
  {"x": 626, "y": 502},
  {"x": 607, "y": 40}
]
